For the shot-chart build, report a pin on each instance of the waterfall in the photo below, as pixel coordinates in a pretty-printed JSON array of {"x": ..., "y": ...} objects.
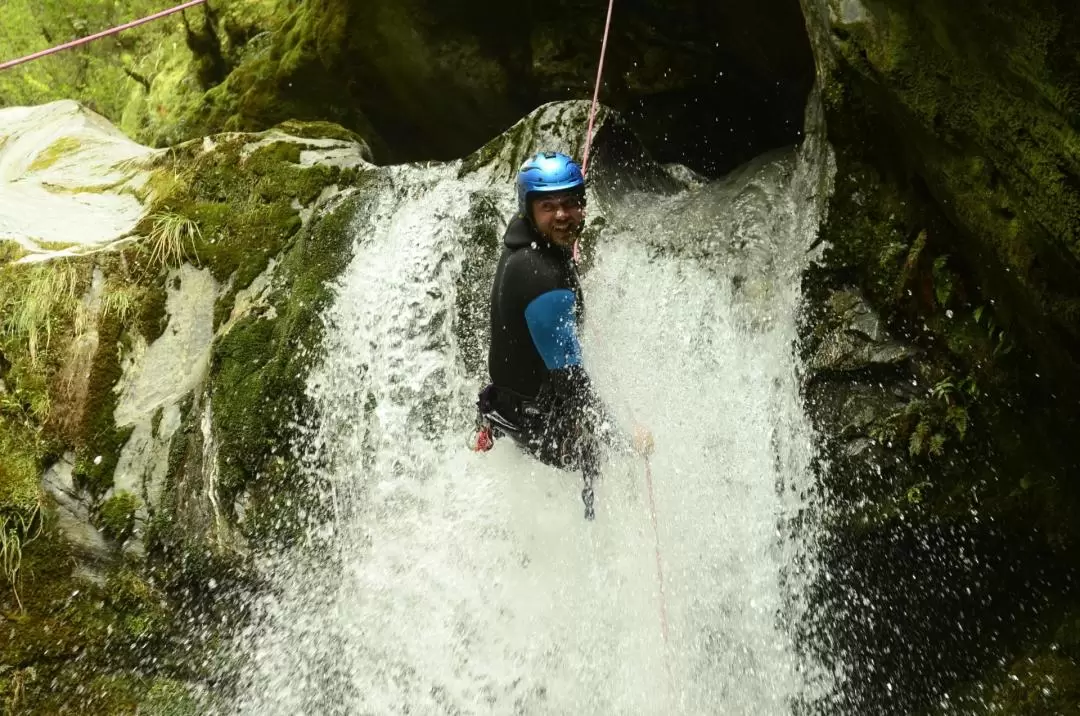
[{"x": 450, "y": 582}]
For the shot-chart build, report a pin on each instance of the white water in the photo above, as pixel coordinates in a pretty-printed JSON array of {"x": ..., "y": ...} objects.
[{"x": 470, "y": 584}]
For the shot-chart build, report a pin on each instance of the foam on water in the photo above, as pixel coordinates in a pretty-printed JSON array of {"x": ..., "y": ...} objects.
[{"x": 460, "y": 583}]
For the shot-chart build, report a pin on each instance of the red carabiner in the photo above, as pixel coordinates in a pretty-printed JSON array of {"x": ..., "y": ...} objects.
[{"x": 484, "y": 440}]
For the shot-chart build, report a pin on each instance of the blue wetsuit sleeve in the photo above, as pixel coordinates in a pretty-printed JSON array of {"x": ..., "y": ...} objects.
[{"x": 553, "y": 327}]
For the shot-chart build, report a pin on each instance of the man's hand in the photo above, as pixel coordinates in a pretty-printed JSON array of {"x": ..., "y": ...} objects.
[{"x": 643, "y": 441}]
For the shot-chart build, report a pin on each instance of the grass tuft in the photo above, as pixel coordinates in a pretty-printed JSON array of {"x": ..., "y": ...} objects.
[
  {"x": 169, "y": 236},
  {"x": 35, "y": 300}
]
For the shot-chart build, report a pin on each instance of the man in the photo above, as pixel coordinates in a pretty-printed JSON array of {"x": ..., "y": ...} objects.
[{"x": 540, "y": 394}]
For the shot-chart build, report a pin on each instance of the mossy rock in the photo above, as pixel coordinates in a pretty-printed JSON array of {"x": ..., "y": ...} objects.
[
  {"x": 100, "y": 440},
  {"x": 319, "y": 130},
  {"x": 83, "y": 648},
  {"x": 987, "y": 142},
  {"x": 247, "y": 203},
  {"x": 259, "y": 369},
  {"x": 246, "y": 207},
  {"x": 116, "y": 515},
  {"x": 168, "y": 697},
  {"x": 20, "y": 470}
]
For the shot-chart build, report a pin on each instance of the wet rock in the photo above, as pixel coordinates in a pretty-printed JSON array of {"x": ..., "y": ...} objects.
[
  {"x": 854, "y": 337},
  {"x": 705, "y": 83},
  {"x": 74, "y": 510},
  {"x": 68, "y": 179}
]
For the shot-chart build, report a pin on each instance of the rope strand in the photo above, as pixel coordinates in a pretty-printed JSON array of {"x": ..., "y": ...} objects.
[
  {"x": 98, "y": 35},
  {"x": 596, "y": 91}
]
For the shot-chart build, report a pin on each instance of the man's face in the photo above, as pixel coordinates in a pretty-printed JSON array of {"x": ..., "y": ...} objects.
[{"x": 559, "y": 217}]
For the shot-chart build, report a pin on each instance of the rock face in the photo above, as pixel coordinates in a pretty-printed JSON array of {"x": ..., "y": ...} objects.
[
  {"x": 68, "y": 179},
  {"x": 956, "y": 180},
  {"x": 941, "y": 339},
  {"x": 123, "y": 359},
  {"x": 149, "y": 430},
  {"x": 976, "y": 146}
]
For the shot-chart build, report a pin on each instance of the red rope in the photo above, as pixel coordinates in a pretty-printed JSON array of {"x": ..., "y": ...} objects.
[
  {"x": 99, "y": 35},
  {"x": 660, "y": 581}
]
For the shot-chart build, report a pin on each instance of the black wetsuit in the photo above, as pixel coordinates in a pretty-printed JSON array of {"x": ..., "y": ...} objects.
[{"x": 540, "y": 394}]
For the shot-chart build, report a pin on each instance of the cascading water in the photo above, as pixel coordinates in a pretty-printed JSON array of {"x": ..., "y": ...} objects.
[{"x": 460, "y": 583}]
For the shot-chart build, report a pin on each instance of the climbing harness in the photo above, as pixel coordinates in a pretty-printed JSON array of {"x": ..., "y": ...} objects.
[{"x": 99, "y": 35}]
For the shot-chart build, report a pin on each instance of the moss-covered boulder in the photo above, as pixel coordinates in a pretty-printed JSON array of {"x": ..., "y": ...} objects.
[
  {"x": 968, "y": 118},
  {"x": 127, "y": 423}
]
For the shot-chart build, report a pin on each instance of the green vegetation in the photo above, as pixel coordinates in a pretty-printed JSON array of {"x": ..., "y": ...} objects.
[
  {"x": 169, "y": 236},
  {"x": 78, "y": 647},
  {"x": 66, "y": 328},
  {"x": 259, "y": 369},
  {"x": 116, "y": 515},
  {"x": 20, "y": 503},
  {"x": 36, "y": 299},
  {"x": 989, "y": 139},
  {"x": 955, "y": 214}
]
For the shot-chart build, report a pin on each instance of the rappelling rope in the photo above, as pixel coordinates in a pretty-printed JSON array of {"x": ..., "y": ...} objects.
[
  {"x": 592, "y": 109},
  {"x": 99, "y": 35},
  {"x": 596, "y": 90},
  {"x": 648, "y": 468}
]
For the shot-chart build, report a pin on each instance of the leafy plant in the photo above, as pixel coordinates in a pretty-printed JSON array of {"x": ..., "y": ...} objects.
[
  {"x": 943, "y": 282},
  {"x": 943, "y": 390},
  {"x": 948, "y": 391},
  {"x": 957, "y": 417},
  {"x": 914, "y": 494},
  {"x": 918, "y": 442},
  {"x": 1001, "y": 341}
]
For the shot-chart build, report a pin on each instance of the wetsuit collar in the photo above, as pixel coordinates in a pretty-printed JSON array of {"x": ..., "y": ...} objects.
[{"x": 520, "y": 234}]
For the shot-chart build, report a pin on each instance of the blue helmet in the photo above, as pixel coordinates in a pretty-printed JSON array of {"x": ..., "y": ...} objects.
[{"x": 547, "y": 172}]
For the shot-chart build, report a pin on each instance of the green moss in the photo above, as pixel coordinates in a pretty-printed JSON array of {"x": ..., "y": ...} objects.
[
  {"x": 152, "y": 316},
  {"x": 84, "y": 648},
  {"x": 116, "y": 516},
  {"x": 54, "y": 153},
  {"x": 259, "y": 369},
  {"x": 992, "y": 136},
  {"x": 319, "y": 130},
  {"x": 10, "y": 251},
  {"x": 20, "y": 471},
  {"x": 168, "y": 697},
  {"x": 955, "y": 214},
  {"x": 106, "y": 74},
  {"x": 1038, "y": 681},
  {"x": 245, "y": 207},
  {"x": 100, "y": 441}
]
